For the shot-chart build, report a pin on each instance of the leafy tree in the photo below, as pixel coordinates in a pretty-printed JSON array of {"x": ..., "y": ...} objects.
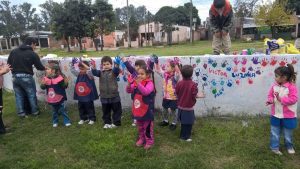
[
  {"x": 47, "y": 13},
  {"x": 10, "y": 25},
  {"x": 244, "y": 8},
  {"x": 104, "y": 17},
  {"x": 28, "y": 14},
  {"x": 273, "y": 15},
  {"x": 294, "y": 5}
]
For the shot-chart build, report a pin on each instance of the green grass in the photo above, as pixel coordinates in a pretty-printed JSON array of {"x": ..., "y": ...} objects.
[
  {"x": 197, "y": 48},
  {"x": 217, "y": 143}
]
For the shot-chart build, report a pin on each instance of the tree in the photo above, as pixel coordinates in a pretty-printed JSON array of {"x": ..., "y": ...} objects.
[
  {"x": 10, "y": 25},
  {"x": 28, "y": 14},
  {"x": 93, "y": 32},
  {"x": 273, "y": 15},
  {"x": 104, "y": 17},
  {"x": 294, "y": 5},
  {"x": 167, "y": 16},
  {"x": 47, "y": 13},
  {"x": 244, "y": 8}
]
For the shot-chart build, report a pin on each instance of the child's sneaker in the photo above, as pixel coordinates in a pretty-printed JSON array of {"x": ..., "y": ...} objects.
[
  {"x": 107, "y": 126},
  {"x": 55, "y": 125},
  {"x": 68, "y": 124},
  {"x": 134, "y": 123},
  {"x": 188, "y": 140},
  {"x": 277, "y": 152},
  {"x": 113, "y": 126},
  {"x": 164, "y": 123},
  {"x": 172, "y": 127},
  {"x": 91, "y": 122},
  {"x": 291, "y": 150},
  {"x": 81, "y": 122},
  {"x": 139, "y": 143},
  {"x": 147, "y": 146}
]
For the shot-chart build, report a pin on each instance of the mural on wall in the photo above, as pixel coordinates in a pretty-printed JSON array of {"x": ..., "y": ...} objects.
[{"x": 222, "y": 78}]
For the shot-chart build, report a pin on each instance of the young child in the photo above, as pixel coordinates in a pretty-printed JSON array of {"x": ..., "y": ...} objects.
[
  {"x": 134, "y": 72},
  {"x": 170, "y": 78},
  {"x": 283, "y": 97},
  {"x": 142, "y": 93},
  {"x": 55, "y": 84},
  {"x": 187, "y": 92},
  {"x": 109, "y": 93},
  {"x": 5, "y": 68},
  {"x": 85, "y": 92}
]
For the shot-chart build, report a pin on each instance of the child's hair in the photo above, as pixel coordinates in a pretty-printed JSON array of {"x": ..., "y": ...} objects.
[
  {"x": 55, "y": 67},
  {"x": 147, "y": 70},
  {"x": 287, "y": 71},
  {"x": 140, "y": 63},
  {"x": 85, "y": 62},
  {"x": 187, "y": 71},
  {"x": 106, "y": 59}
]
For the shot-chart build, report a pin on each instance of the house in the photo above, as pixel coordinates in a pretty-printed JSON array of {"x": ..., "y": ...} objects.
[{"x": 153, "y": 33}]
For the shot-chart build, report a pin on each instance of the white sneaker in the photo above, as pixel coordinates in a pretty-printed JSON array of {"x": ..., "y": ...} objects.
[
  {"x": 81, "y": 122},
  {"x": 68, "y": 124},
  {"x": 113, "y": 126},
  {"x": 55, "y": 125},
  {"x": 188, "y": 140},
  {"x": 91, "y": 122},
  {"x": 134, "y": 123},
  {"x": 277, "y": 152},
  {"x": 291, "y": 151},
  {"x": 107, "y": 126}
]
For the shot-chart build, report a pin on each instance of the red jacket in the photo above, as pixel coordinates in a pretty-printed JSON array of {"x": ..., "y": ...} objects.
[{"x": 186, "y": 91}]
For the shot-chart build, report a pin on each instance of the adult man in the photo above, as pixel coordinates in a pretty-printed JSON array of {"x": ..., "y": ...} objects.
[
  {"x": 21, "y": 60},
  {"x": 221, "y": 20}
]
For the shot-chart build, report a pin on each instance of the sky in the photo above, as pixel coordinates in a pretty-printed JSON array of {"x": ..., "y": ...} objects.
[{"x": 152, "y": 5}]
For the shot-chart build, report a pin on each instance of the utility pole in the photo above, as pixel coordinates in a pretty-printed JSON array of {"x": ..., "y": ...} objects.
[
  {"x": 191, "y": 22},
  {"x": 128, "y": 34}
]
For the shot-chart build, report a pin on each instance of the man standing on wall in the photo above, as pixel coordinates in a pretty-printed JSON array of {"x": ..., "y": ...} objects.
[
  {"x": 221, "y": 20},
  {"x": 21, "y": 60}
]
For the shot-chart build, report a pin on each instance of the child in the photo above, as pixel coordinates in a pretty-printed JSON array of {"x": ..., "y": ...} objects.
[
  {"x": 133, "y": 71},
  {"x": 109, "y": 93},
  {"x": 171, "y": 77},
  {"x": 142, "y": 93},
  {"x": 85, "y": 92},
  {"x": 5, "y": 68},
  {"x": 283, "y": 97},
  {"x": 187, "y": 92},
  {"x": 55, "y": 84}
]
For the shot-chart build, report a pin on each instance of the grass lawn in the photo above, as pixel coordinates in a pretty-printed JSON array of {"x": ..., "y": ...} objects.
[
  {"x": 197, "y": 48},
  {"x": 217, "y": 143}
]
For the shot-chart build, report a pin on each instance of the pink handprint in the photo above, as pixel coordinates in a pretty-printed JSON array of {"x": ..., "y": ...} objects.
[
  {"x": 236, "y": 61},
  {"x": 244, "y": 61}
]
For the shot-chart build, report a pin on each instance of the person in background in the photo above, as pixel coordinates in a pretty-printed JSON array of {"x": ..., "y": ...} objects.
[
  {"x": 21, "y": 60},
  {"x": 221, "y": 20}
]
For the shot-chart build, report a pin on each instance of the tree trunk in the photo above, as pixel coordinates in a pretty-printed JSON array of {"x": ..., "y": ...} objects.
[
  {"x": 170, "y": 38},
  {"x": 8, "y": 43},
  {"x": 273, "y": 31},
  {"x": 102, "y": 42},
  {"x": 80, "y": 44},
  {"x": 67, "y": 40},
  {"x": 96, "y": 44}
]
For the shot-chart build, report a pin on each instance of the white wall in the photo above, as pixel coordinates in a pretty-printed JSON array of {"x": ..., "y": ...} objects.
[{"x": 235, "y": 85}]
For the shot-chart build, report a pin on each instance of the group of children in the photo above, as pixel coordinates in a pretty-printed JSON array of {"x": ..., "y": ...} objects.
[{"x": 179, "y": 97}]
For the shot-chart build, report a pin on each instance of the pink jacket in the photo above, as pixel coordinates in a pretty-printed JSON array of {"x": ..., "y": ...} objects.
[
  {"x": 288, "y": 94},
  {"x": 145, "y": 90}
]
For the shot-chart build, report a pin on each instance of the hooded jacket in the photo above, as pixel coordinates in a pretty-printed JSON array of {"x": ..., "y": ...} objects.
[
  {"x": 22, "y": 58},
  {"x": 222, "y": 22}
]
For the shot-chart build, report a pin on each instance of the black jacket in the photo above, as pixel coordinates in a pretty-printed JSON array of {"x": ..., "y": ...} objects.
[
  {"x": 22, "y": 58},
  {"x": 221, "y": 23}
]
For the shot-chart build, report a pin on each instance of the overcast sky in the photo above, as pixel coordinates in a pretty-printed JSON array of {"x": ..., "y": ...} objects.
[{"x": 152, "y": 5}]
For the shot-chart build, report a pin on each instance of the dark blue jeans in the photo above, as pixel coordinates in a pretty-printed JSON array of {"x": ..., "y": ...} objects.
[
  {"x": 24, "y": 86},
  {"x": 57, "y": 110}
]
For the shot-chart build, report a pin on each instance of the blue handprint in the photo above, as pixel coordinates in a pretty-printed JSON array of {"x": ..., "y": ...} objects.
[{"x": 117, "y": 60}]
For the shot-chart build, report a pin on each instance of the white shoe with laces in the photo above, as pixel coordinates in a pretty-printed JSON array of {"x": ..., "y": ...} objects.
[
  {"x": 277, "y": 152},
  {"x": 113, "y": 126},
  {"x": 107, "y": 126}
]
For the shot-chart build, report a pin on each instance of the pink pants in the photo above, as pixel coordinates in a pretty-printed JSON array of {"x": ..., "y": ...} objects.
[{"x": 145, "y": 129}]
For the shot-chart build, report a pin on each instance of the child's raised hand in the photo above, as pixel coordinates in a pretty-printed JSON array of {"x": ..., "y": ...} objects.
[
  {"x": 93, "y": 63},
  {"x": 117, "y": 60},
  {"x": 75, "y": 60},
  {"x": 42, "y": 81},
  {"x": 67, "y": 79},
  {"x": 130, "y": 79},
  {"x": 154, "y": 58}
]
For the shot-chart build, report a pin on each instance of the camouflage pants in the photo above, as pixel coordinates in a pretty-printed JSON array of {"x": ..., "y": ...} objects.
[{"x": 221, "y": 44}]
